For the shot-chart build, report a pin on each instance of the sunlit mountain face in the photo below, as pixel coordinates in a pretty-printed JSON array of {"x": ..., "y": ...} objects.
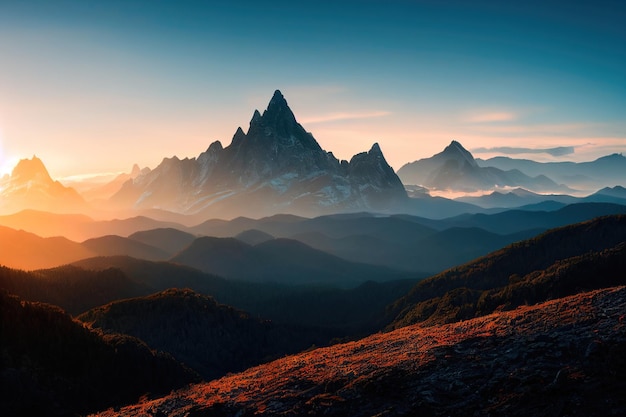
[
  {"x": 30, "y": 187},
  {"x": 426, "y": 216}
]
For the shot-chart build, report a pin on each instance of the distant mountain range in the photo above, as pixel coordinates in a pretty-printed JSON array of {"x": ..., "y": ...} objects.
[
  {"x": 186, "y": 192},
  {"x": 560, "y": 262},
  {"x": 524, "y": 199},
  {"x": 276, "y": 166},
  {"x": 340, "y": 250},
  {"x": 607, "y": 171},
  {"x": 456, "y": 169}
]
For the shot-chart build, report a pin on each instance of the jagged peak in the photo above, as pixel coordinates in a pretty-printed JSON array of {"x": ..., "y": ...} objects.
[
  {"x": 455, "y": 145},
  {"x": 135, "y": 170},
  {"x": 255, "y": 117},
  {"x": 375, "y": 149},
  {"x": 30, "y": 169},
  {"x": 239, "y": 135},
  {"x": 278, "y": 100},
  {"x": 456, "y": 149},
  {"x": 217, "y": 145},
  {"x": 278, "y": 110}
]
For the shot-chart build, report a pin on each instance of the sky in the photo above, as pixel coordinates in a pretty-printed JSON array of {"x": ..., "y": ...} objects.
[{"x": 94, "y": 86}]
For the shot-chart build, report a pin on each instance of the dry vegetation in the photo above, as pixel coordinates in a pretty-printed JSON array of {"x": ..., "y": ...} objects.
[{"x": 562, "y": 357}]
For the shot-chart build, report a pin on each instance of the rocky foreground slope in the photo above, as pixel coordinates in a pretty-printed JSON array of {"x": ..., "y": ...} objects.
[{"x": 564, "y": 357}]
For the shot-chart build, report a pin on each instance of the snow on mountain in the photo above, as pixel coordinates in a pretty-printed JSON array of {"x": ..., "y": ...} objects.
[{"x": 277, "y": 166}]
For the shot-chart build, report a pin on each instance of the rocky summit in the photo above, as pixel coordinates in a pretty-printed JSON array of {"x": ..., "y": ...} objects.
[{"x": 277, "y": 166}]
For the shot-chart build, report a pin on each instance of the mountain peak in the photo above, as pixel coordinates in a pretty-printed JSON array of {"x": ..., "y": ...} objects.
[
  {"x": 455, "y": 145},
  {"x": 457, "y": 151},
  {"x": 278, "y": 114},
  {"x": 278, "y": 99},
  {"x": 31, "y": 169},
  {"x": 277, "y": 129}
]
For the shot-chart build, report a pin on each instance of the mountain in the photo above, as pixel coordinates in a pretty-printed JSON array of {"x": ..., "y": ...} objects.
[
  {"x": 516, "y": 198},
  {"x": 24, "y": 250},
  {"x": 348, "y": 311},
  {"x": 519, "y": 197},
  {"x": 74, "y": 289},
  {"x": 79, "y": 227},
  {"x": 562, "y": 357},
  {"x": 20, "y": 249},
  {"x": 111, "y": 245},
  {"x": 211, "y": 338},
  {"x": 615, "y": 194},
  {"x": 558, "y": 263},
  {"x": 253, "y": 237},
  {"x": 98, "y": 191},
  {"x": 279, "y": 260},
  {"x": 518, "y": 220},
  {"x": 275, "y": 167},
  {"x": 169, "y": 240},
  {"x": 52, "y": 365},
  {"x": 590, "y": 176},
  {"x": 455, "y": 169},
  {"x": 30, "y": 187}
]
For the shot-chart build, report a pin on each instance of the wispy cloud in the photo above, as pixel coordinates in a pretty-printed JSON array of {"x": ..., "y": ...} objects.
[
  {"x": 333, "y": 117},
  {"x": 490, "y": 117},
  {"x": 507, "y": 150},
  {"x": 533, "y": 130}
]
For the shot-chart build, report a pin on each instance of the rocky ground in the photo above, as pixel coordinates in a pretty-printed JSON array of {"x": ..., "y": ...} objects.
[{"x": 565, "y": 357}]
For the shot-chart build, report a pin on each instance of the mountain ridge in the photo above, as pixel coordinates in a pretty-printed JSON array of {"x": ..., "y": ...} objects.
[
  {"x": 456, "y": 169},
  {"x": 277, "y": 166}
]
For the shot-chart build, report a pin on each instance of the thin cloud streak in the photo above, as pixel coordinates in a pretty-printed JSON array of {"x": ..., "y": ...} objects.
[
  {"x": 570, "y": 130},
  {"x": 508, "y": 150},
  {"x": 333, "y": 117},
  {"x": 491, "y": 117}
]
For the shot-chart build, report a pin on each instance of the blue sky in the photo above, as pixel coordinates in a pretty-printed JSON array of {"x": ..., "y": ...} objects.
[{"x": 95, "y": 86}]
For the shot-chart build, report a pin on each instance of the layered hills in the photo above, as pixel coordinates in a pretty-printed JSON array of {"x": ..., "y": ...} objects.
[
  {"x": 444, "y": 335},
  {"x": 285, "y": 261},
  {"x": 605, "y": 171},
  {"x": 558, "y": 263},
  {"x": 276, "y": 166},
  {"x": 289, "y": 249}
]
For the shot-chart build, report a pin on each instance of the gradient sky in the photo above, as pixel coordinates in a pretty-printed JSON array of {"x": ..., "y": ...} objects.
[{"x": 95, "y": 86}]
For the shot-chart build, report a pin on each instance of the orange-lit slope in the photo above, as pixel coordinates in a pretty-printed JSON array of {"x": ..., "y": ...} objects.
[
  {"x": 558, "y": 358},
  {"x": 23, "y": 250}
]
